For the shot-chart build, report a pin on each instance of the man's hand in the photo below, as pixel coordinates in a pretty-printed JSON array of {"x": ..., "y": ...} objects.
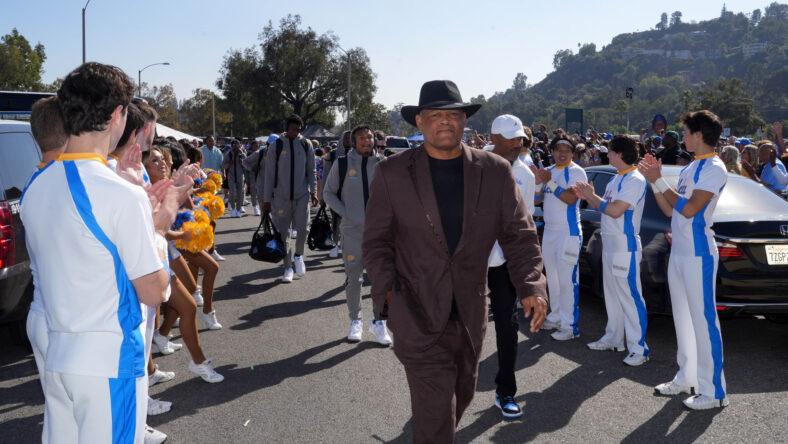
[
  {"x": 266, "y": 207},
  {"x": 543, "y": 175},
  {"x": 313, "y": 198},
  {"x": 650, "y": 168},
  {"x": 130, "y": 165},
  {"x": 537, "y": 306},
  {"x": 777, "y": 131},
  {"x": 322, "y": 203},
  {"x": 163, "y": 199},
  {"x": 584, "y": 190},
  {"x": 183, "y": 179}
]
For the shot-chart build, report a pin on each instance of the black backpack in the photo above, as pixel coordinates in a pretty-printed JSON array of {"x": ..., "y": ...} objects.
[
  {"x": 268, "y": 245},
  {"x": 279, "y": 147},
  {"x": 320, "y": 232}
]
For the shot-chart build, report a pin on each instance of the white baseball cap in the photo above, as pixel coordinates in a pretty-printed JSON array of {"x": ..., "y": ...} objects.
[{"x": 508, "y": 126}]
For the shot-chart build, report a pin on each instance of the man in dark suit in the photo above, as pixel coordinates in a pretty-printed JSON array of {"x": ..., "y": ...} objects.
[{"x": 433, "y": 216}]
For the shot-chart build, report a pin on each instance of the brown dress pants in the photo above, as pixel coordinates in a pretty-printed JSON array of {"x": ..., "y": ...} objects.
[{"x": 442, "y": 382}]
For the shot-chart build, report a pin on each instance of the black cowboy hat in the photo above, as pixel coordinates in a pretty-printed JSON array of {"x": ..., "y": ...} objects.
[{"x": 438, "y": 94}]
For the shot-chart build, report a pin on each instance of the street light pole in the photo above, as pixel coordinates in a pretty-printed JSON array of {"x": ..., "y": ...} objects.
[
  {"x": 83, "y": 30},
  {"x": 139, "y": 76},
  {"x": 629, "y": 94},
  {"x": 348, "y": 85}
]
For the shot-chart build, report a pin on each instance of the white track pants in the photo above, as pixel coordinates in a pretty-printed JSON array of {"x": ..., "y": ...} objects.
[
  {"x": 692, "y": 281},
  {"x": 560, "y": 252},
  {"x": 626, "y": 309},
  {"x": 90, "y": 409},
  {"x": 38, "y": 334}
]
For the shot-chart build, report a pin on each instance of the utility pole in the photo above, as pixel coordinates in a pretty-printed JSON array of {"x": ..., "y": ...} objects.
[
  {"x": 213, "y": 113},
  {"x": 83, "y": 31},
  {"x": 348, "y": 86},
  {"x": 629, "y": 93}
]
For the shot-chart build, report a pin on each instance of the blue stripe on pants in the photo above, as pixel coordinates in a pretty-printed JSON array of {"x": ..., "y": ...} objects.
[
  {"x": 639, "y": 304},
  {"x": 576, "y": 310},
  {"x": 123, "y": 395},
  {"x": 710, "y": 313}
]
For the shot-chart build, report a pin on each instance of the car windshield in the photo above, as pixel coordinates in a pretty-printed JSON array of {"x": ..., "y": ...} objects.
[
  {"x": 397, "y": 142},
  {"x": 743, "y": 199}
]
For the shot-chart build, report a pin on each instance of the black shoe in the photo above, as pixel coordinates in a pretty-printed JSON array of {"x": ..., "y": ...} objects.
[{"x": 509, "y": 408}]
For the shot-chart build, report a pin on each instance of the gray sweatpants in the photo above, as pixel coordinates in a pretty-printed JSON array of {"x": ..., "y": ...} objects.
[
  {"x": 236, "y": 193},
  {"x": 289, "y": 215},
  {"x": 354, "y": 271},
  {"x": 251, "y": 178}
]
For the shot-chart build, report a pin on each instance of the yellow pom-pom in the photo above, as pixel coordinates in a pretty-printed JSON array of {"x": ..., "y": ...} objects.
[
  {"x": 216, "y": 178},
  {"x": 202, "y": 237},
  {"x": 201, "y": 217},
  {"x": 215, "y": 206}
]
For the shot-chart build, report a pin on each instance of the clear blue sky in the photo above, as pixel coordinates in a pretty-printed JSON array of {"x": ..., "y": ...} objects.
[{"x": 481, "y": 45}]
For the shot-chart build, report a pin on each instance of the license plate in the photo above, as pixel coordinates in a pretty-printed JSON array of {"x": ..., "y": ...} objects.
[{"x": 777, "y": 254}]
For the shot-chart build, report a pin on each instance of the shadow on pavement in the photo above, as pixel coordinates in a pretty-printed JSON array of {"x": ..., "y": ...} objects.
[
  {"x": 243, "y": 381},
  {"x": 287, "y": 309}
]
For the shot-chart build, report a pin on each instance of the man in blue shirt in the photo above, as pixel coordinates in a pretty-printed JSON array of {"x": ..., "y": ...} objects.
[
  {"x": 211, "y": 156},
  {"x": 773, "y": 174}
]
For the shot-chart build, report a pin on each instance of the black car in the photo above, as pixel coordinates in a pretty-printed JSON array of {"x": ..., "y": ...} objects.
[
  {"x": 19, "y": 156},
  {"x": 751, "y": 229}
]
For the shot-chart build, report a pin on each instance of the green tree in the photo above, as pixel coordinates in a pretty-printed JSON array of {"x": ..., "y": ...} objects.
[
  {"x": 755, "y": 17},
  {"x": 663, "y": 22},
  {"x": 728, "y": 99},
  {"x": 588, "y": 49},
  {"x": 21, "y": 65},
  {"x": 561, "y": 57},
  {"x": 163, "y": 100},
  {"x": 675, "y": 18},
  {"x": 294, "y": 71},
  {"x": 197, "y": 115}
]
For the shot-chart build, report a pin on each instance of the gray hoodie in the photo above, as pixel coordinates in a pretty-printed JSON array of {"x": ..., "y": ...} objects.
[
  {"x": 327, "y": 162},
  {"x": 251, "y": 164},
  {"x": 351, "y": 206},
  {"x": 303, "y": 168}
]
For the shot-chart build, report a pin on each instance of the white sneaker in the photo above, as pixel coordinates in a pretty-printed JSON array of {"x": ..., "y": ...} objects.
[
  {"x": 300, "y": 267},
  {"x": 237, "y": 213},
  {"x": 671, "y": 389},
  {"x": 164, "y": 345},
  {"x": 354, "y": 335},
  {"x": 246, "y": 202},
  {"x": 294, "y": 234},
  {"x": 703, "y": 402},
  {"x": 635, "y": 359},
  {"x": 601, "y": 345},
  {"x": 378, "y": 328},
  {"x": 197, "y": 295},
  {"x": 156, "y": 407},
  {"x": 334, "y": 253},
  {"x": 159, "y": 376},
  {"x": 550, "y": 325},
  {"x": 257, "y": 210},
  {"x": 288, "y": 276},
  {"x": 209, "y": 319},
  {"x": 153, "y": 436},
  {"x": 243, "y": 210},
  {"x": 564, "y": 335},
  {"x": 217, "y": 256},
  {"x": 205, "y": 371}
]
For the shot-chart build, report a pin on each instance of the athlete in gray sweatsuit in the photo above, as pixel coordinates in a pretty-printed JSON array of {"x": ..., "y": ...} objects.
[
  {"x": 255, "y": 164},
  {"x": 351, "y": 207},
  {"x": 342, "y": 149},
  {"x": 290, "y": 193},
  {"x": 233, "y": 166}
]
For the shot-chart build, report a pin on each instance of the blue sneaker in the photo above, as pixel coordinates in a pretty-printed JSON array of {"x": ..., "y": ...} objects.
[{"x": 509, "y": 408}]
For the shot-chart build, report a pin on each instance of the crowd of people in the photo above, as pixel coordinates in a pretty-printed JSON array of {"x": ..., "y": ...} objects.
[{"x": 137, "y": 215}]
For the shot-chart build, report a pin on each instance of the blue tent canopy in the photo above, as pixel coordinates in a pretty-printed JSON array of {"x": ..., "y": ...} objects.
[{"x": 418, "y": 137}]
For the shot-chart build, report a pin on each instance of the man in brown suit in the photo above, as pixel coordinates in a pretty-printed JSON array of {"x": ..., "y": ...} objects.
[{"x": 433, "y": 216}]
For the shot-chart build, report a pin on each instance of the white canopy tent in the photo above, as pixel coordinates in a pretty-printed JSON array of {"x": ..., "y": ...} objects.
[{"x": 166, "y": 131}]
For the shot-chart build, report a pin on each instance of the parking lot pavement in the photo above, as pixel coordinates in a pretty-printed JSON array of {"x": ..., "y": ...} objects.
[{"x": 291, "y": 376}]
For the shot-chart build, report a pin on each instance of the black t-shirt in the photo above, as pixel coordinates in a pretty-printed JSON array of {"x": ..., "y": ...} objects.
[
  {"x": 669, "y": 156},
  {"x": 447, "y": 182}
]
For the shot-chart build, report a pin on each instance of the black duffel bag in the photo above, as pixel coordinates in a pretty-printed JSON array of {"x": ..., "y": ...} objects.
[
  {"x": 267, "y": 246},
  {"x": 320, "y": 232}
]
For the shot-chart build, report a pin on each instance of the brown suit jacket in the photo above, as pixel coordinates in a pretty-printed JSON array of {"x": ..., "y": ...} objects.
[{"x": 405, "y": 248}]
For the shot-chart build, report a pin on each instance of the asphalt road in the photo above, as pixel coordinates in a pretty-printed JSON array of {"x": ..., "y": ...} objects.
[{"x": 292, "y": 378}]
